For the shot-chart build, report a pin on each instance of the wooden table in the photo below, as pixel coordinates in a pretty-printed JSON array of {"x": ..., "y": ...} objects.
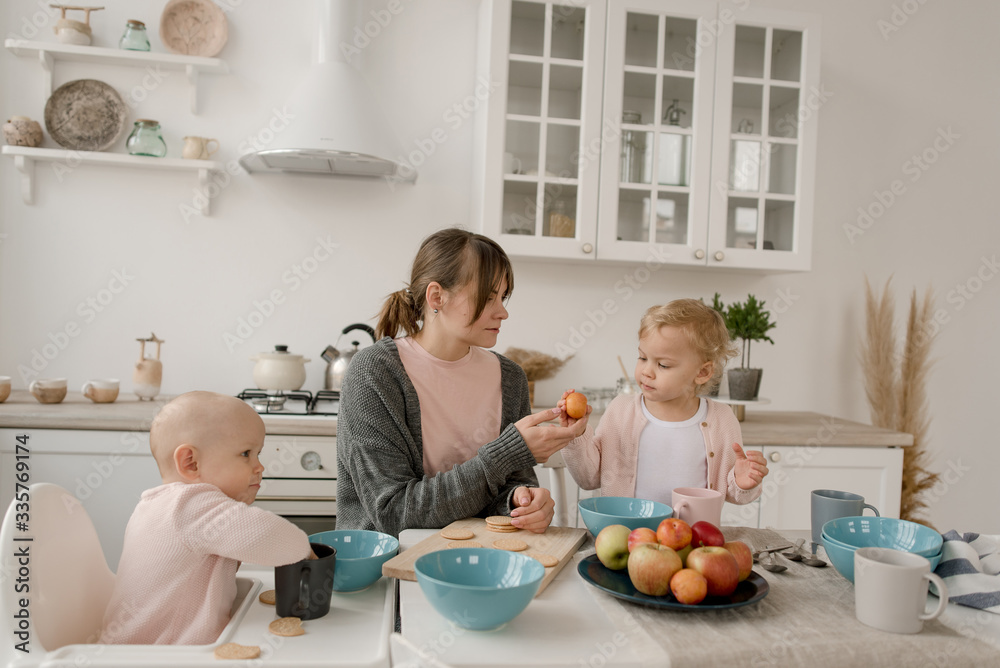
[{"x": 807, "y": 619}]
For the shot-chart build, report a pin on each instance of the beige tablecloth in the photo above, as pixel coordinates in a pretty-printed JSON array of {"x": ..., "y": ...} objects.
[{"x": 807, "y": 619}]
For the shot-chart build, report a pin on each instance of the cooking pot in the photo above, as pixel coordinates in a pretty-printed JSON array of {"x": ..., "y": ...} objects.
[
  {"x": 337, "y": 362},
  {"x": 279, "y": 370}
]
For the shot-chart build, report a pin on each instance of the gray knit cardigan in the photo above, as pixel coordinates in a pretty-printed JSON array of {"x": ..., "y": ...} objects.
[{"x": 381, "y": 484}]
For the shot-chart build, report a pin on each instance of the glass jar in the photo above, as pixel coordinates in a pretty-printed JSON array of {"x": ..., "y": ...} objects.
[
  {"x": 633, "y": 151},
  {"x": 146, "y": 139},
  {"x": 134, "y": 38}
]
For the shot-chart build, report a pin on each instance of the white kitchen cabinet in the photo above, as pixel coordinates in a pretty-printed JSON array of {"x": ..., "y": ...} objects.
[
  {"x": 106, "y": 470},
  {"x": 795, "y": 471},
  {"x": 678, "y": 133}
]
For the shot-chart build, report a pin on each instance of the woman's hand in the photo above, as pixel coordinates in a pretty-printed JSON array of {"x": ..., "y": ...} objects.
[
  {"x": 533, "y": 510},
  {"x": 545, "y": 440},
  {"x": 750, "y": 468},
  {"x": 564, "y": 419}
]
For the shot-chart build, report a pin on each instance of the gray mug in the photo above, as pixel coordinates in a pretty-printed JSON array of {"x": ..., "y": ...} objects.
[{"x": 829, "y": 504}]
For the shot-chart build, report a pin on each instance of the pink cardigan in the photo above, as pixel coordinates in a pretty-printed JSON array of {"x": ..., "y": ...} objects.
[{"x": 608, "y": 457}]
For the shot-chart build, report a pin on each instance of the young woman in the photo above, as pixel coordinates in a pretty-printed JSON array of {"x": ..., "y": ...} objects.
[{"x": 433, "y": 427}]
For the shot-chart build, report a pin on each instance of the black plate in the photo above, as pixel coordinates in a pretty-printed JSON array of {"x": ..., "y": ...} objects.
[{"x": 616, "y": 583}]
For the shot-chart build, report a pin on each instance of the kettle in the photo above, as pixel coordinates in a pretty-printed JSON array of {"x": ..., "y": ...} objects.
[{"x": 337, "y": 362}]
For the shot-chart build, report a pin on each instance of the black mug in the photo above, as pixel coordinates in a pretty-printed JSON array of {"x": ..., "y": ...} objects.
[{"x": 304, "y": 589}]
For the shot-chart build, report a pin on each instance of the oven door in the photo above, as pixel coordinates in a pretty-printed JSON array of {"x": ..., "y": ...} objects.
[{"x": 300, "y": 481}]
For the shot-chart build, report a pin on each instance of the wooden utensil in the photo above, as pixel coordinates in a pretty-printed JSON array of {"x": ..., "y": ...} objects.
[{"x": 560, "y": 542}]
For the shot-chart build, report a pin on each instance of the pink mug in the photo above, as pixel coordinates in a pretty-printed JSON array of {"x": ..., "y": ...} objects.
[{"x": 694, "y": 504}]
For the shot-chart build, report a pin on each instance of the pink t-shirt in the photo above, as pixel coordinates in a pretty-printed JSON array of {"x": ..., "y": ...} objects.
[
  {"x": 460, "y": 403},
  {"x": 176, "y": 581}
]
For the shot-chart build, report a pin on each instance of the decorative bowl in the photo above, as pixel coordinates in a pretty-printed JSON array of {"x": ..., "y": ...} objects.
[
  {"x": 889, "y": 532},
  {"x": 360, "y": 555},
  {"x": 600, "y": 511},
  {"x": 842, "y": 557},
  {"x": 478, "y": 588}
]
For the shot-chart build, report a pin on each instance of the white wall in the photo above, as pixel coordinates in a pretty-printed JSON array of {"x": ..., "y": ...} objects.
[{"x": 191, "y": 281}]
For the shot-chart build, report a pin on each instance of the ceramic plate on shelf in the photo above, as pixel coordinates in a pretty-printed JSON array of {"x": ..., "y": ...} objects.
[
  {"x": 85, "y": 115},
  {"x": 193, "y": 28},
  {"x": 617, "y": 583}
]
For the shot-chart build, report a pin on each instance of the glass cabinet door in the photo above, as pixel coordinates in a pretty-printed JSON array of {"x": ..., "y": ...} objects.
[
  {"x": 766, "y": 102},
  {"x": 543, "y": 128},
  {"x": 658, "y": 116}
]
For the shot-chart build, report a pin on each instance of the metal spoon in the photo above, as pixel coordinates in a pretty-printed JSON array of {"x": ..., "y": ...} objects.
[
  {"x": 770, "y": 564},
  {"x": 799, "y": 553}
]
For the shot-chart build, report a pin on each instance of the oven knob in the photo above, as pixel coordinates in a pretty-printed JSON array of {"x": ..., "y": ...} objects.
[{"x": 311, "y": 461}]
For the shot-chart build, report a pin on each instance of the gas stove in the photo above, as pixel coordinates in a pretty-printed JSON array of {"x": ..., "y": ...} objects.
[{"x": 297, "y": 403}]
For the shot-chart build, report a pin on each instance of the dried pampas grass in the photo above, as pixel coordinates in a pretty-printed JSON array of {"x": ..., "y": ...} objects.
[
  {"x": 536, "y": 365},
  {"x": 899, "y": 400}
]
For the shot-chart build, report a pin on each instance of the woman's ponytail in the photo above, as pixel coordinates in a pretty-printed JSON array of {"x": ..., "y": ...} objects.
[{"x": 398, "y": 313}]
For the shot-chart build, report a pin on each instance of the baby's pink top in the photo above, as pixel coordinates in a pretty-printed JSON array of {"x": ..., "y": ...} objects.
[
  {"x": 460, "y": 403},
  {"x": 176, "y": 580}
]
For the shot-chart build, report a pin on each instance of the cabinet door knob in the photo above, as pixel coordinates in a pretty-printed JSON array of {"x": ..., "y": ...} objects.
[
  {"x": 699, "y": 254},
  {"x": 588, "y": 248},
  {"x": 775, "y": 456},
  {"x": 719, "y": 256}
]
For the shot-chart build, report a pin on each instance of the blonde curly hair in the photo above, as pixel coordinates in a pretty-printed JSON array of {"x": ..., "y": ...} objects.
[{"x": 705, "y": 328}]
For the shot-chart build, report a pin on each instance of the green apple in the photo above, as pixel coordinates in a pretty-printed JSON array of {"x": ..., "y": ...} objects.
[{"x": 612, "y": 546}]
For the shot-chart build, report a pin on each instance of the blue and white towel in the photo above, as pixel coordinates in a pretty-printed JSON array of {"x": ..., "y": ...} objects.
[{"x": 970, "y": 567}]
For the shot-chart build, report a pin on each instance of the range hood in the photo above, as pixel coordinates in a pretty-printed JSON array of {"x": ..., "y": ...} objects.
[{"x": 336, "y": 127}]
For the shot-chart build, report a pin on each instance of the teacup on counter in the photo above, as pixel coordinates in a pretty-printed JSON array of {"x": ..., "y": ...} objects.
[
  {"x": 101, "y": 391},
  {"x": 4, "y": 388},
  {"x": 693, "y": 504},
  {"x": 48, "y": 390}
]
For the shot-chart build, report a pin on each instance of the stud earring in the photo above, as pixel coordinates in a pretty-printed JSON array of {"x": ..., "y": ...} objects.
[{"x": 435, "y": 310}]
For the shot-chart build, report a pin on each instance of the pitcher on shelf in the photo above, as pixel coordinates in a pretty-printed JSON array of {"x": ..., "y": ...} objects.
[{"x": 148, "y": 371}]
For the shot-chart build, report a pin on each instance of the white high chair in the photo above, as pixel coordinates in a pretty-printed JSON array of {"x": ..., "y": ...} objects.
[{"x": 68, "y": 579}]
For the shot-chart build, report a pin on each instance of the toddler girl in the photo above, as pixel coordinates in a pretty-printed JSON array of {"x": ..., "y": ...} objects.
[{"x": 668, "y": 435}]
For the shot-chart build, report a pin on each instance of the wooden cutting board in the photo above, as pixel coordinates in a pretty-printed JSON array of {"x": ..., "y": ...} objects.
[{"x": 560, "y": 542}]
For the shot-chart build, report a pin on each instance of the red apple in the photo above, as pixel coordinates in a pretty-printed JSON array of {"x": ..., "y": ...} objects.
[
  {"x": 650, "y": 568},
  {"x": 744, "y": 557},
  {"x": 674, "y": 533},
  {"x": 640, "y": 536},
  {"x": 719, "y": 567},
  {"x": 612, "y": 546},
  {"x": 705, "y": 533},
  {"x": 689, "y": 586}
]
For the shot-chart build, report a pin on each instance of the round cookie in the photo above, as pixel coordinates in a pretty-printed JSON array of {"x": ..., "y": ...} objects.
[
  {"x": 457, "y": 534},
  {"x": 547, "y": 559},
  {"x": 286, "y": 626},
  {"x": 464, "y": 543},
  {"x": 510, "y": 544},
  {"x": 236, "y": 651},
  {"x": 267, "y": 597}
]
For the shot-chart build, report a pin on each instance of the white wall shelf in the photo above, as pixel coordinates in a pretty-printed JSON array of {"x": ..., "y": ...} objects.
[
  {"x": 48, "y": 53},
  {"x": 25, "y": 159}
]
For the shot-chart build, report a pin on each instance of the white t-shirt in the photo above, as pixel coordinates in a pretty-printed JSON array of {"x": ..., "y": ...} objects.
[{"x": 671, "y": 454}]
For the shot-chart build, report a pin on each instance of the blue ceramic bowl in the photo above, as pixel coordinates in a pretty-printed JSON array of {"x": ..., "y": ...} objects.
[
  {"x": 360, "y": 555},
  {"x": 478, "y": 588},
  {"x": 842, "y": 557},
  {"x": 600, "y": 511},
  {"x": 884, "y": 532}
]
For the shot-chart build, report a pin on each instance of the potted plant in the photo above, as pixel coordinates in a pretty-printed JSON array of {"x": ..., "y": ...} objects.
[{"x": 749, "y": 322}]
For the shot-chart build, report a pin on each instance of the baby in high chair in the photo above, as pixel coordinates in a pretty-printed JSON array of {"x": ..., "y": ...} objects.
[{"x": 176, "y": 580}]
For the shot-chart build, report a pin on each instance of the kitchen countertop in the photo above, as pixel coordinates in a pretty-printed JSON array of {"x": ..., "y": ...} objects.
[
  {"x": 127, "y": 413},
  {"x": 760, "y": 428}
]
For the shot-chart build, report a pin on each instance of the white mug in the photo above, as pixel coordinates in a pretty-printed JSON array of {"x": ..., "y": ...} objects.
[
  {"x": 890, "y": 589},
  {"x": 511, "y": 165},
  {"x": 101, "y": 391},
  {"x": 694, "y": 504}
]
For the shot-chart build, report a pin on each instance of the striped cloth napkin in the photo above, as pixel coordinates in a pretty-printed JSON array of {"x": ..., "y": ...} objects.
[{"x": 970, "y": 568}]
